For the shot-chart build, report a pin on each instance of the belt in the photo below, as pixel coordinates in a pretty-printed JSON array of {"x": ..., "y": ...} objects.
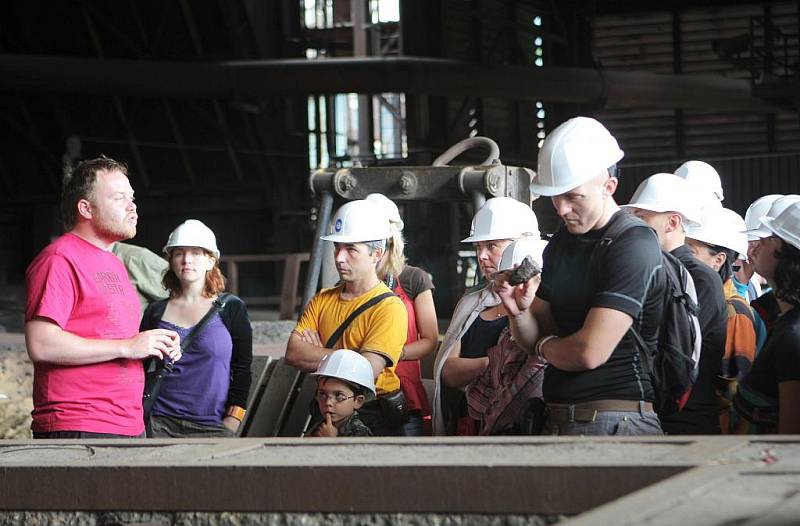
[{"x": 587, "y": 411}]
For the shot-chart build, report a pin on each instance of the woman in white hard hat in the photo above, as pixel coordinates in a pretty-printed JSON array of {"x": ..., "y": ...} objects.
[
  {"x": 205, "y": 394},
  {"x": 766, "y": 305},
  {"x": 479, "y": 317},
  {"x": 513, "y": 379},
  {"x": 415, "y": 288},
  {"x": 768, "y": 399},
  {"x": 747, "y": 282},
  {"x": 718, "y": 241}
]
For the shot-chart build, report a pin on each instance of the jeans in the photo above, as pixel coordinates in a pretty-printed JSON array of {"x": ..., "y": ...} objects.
[
  {"x": 609, "y": 423},
  {"x": 79, "y": 434},
  {"x": 415, "y": 427},
  {"x": 170, "y": 427},
  {"x": 372, "y": 415}
]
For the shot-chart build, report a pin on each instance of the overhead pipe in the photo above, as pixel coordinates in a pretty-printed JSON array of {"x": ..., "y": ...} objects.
[
  {"x": 259, "y": 78},
  {"x": 462, "y": 146}
]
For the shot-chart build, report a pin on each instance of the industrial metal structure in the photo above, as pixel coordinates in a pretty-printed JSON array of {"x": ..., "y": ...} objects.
[{"x": 222, "y": 108}]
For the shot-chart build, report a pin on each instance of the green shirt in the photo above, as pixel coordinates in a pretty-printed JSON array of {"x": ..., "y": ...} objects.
[{"x": 145, "y": 269}]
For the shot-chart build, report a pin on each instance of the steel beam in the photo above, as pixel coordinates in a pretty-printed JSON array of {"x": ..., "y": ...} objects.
[
  {"x": 421, "y": 183},
  {"x": 412, "y": 75}
]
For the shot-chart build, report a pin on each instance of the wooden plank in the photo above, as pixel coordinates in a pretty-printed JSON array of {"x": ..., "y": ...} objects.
[
  {"x": 273, "y": 403},
  {"x": 261, "y": 370},
  {"x": 299, "y": 413}
]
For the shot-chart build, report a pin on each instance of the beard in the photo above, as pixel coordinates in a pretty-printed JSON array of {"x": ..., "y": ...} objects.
[{"x": 106, "y": 225}]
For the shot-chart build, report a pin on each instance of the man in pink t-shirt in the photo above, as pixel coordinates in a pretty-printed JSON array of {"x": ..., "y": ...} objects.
[{"x": 82, "y": 315}]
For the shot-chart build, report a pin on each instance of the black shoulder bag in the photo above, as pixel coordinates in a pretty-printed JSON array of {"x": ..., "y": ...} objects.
[{"x": 155, "y": 377}]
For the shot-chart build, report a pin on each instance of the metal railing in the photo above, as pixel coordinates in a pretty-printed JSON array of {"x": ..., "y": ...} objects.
[{"x": 289, "y": 298}]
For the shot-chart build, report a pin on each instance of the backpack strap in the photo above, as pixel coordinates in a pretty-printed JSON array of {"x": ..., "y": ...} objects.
[
  {"x": 346, "y": 323},
  {"x": 621, "y": 223}
]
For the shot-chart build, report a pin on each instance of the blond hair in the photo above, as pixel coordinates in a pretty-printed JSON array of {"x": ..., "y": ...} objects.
[{"x": 394, "y": 260}]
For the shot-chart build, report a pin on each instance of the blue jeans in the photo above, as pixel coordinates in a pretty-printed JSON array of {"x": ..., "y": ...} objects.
[
  {"x": 415, "y": 427},
  {"x": 609, "y": 423}
]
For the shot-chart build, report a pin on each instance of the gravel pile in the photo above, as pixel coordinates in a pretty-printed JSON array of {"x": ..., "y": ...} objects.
[
  {"x": 272, "y": 331},
  {"x": 16, "y": 387}
]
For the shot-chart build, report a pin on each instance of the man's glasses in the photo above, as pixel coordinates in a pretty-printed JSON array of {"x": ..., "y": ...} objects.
[{"x": 338, "y": 397}]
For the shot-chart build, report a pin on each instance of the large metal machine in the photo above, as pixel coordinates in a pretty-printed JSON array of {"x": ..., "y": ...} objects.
[
  {"x": 281, "y": 394},
  {"x": 439, "y": 182}
]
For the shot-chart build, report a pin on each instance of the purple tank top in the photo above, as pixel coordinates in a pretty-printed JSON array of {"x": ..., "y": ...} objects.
[{"x": 197, "y": 387}]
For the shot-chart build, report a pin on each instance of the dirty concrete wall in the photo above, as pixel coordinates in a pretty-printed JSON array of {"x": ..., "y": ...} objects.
[{"x": 268, "y": 519}]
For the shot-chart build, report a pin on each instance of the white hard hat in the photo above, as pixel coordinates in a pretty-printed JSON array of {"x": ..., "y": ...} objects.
[
  {"x": 192, "y": 233},
  {"x": 358, "y": 222},
  {"x": 573, "y": 154},
  {"x": 702, "y": 176},
  {"x": 757, "y": 210},
  {"x": 786, "y": 225},
  {"x": 667, "y": 193},
  {"x": 389, "y": 208},
  {"x": 349, "y": 366},
  {"x": 519, "y": 249},
  {"x": 722, "y": 227},
  {"x": 775, "y": 209},
  {"x": 502, "y": 218}
]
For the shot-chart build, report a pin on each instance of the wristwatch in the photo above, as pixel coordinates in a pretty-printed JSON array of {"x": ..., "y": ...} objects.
[{"x": 236, "y": 412}]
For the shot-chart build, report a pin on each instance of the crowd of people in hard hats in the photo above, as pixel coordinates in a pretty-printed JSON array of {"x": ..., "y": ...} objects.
[{"x": 669, "y": 314}]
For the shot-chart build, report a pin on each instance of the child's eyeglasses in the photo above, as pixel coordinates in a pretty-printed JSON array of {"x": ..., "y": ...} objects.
[{"x": 337, "y": 397}]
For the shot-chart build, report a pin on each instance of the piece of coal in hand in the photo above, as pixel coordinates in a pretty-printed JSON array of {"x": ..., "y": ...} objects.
[{"x": 525, "y": 271}]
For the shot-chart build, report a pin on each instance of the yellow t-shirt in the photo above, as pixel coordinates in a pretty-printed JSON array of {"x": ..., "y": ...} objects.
[{"x": 381, "y": 329}]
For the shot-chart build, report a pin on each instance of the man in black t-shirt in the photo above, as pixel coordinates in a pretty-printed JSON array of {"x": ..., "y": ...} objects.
[
  {"x": 580, "y": 317},
  {"x": 666, "y": 203}
]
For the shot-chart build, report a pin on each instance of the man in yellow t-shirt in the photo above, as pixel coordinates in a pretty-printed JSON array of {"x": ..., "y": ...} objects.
[{"x": 359, "y": 232}]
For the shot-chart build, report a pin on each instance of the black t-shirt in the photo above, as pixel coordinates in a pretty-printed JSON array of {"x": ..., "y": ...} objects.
[
  {"x": 481, "y": 335},
  {"x": 479, "y": 338},
  {"x": 767, "y": 307},
  {"x": 700, "y": 415},
  {"x": 779, "y": 360},
  {"x": 630, "y": 279}
]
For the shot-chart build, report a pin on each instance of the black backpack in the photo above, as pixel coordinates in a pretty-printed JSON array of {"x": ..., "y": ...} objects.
[{"x": 674, "y": 367}]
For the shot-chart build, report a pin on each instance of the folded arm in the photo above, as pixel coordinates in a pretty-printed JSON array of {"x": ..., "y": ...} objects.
[{"x": 303, "y": 354}]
